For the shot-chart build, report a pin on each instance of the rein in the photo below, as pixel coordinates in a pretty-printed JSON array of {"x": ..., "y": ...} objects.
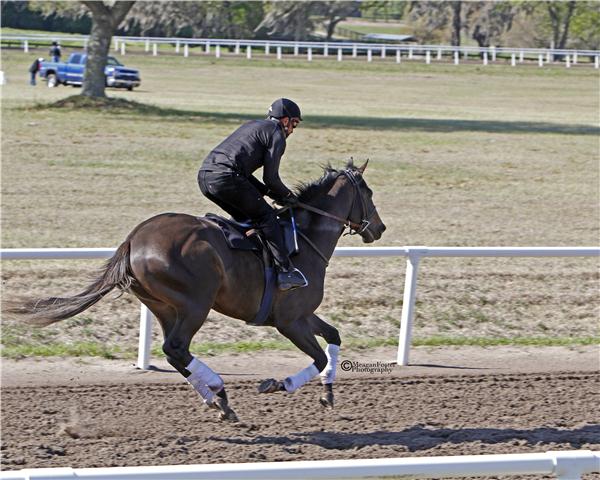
[{"x": 353, "y": 227}]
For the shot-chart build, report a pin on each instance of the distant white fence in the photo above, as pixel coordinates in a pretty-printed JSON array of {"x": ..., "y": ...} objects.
[
  {"x": 567, "y": 465},
  {"x": 331, "y": 49},
  {"x": 413, "y": 254}
]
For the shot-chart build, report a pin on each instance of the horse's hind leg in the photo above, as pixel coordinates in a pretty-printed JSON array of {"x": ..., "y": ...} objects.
[
  {"x": 332, "y": 337},
  {"x": 180, "y": 320}
]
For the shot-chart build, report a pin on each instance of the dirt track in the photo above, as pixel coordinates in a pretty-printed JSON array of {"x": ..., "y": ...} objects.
[{"x": 154, "y": 418}]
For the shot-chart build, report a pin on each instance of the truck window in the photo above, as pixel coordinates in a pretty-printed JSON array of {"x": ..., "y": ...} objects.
[
  {"x": 112, "y": 61},
  {"x": 75, "y": 58}
]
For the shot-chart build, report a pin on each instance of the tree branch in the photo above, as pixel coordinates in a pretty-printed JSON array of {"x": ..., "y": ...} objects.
[
  {"x": 120, "y": 10},
  {"x": 97, "y": 8}
]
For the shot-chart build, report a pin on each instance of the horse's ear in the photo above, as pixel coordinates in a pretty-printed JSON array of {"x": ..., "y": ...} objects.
[{"x": 362, "y": 168}]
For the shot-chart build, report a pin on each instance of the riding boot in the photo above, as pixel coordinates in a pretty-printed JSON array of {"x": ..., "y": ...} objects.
[{"x": 288, "y": 277}]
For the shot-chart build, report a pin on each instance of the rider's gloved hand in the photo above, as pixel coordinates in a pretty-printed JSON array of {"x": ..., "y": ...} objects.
[{"x": 290, "y": 200}]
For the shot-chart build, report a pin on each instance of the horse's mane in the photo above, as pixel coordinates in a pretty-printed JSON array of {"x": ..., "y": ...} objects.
[{"x": 309, "y": 190}]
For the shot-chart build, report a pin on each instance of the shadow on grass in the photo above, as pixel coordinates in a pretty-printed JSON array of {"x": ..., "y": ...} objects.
[
  {"x": 422, "y": 438},
  {"x": 119, "y": 106}
]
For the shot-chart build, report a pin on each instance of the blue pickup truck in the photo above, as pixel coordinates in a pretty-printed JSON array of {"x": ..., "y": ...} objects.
[{"x": 71, "y": 72}]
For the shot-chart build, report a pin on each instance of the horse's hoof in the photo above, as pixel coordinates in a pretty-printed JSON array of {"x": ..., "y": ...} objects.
[
  {"x": 327, "y": 400},
  {"x": 270, "y": 386},
  {"x": 228, "y": 416}
]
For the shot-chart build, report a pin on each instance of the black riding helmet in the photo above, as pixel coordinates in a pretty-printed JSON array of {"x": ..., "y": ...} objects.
[{"x": 284, "y": 107}]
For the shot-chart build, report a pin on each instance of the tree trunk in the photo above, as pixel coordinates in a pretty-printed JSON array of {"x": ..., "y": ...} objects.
[
  {"x": 104, "y": 22},
  {"x": 567, "y": 22},
  {"x": 456, "y": 22}
]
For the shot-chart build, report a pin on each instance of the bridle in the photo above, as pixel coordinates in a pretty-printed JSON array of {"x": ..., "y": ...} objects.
[{"x": 353, "y": 227}]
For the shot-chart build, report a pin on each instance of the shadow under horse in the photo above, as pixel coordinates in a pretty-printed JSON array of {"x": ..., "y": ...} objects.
[{"x": 181, "y": 267}]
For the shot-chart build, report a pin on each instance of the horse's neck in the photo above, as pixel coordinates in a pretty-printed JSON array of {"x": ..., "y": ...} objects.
[{"x": 323, "y": 231}]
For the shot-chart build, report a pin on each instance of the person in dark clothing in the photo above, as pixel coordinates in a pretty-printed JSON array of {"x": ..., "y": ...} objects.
[
  {"x": 34, "y": 69},
  {"x": 225, "y": 177},
  {"x": 55, "y": 52}
]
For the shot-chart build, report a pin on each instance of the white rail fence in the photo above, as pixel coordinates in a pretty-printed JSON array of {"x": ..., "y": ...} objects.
[
  {"x": 566, "y": 465},
  {"x": 337, "y": 50},
  {"x": 413, "y": 254}
]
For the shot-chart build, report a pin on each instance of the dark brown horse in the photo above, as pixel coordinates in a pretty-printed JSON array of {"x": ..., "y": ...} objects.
[{"x": 180, "y": 267}]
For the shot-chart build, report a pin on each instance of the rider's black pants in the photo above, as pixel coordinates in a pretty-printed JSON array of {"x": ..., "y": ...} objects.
[{"x": 237, "y": 196}]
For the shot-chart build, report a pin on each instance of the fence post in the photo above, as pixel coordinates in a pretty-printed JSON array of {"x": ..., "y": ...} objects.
[
  {"x": 278, "y": 52},
  {"x": 309, "y": 54},
  {"x": 541, "y": 60},
  {"x": 25, "y": 46},
  {"x": 574, "y": 58},
  {"x": 116, "y": 44},
  {"x": 568, "y": 61},
  {"x": 513, "y": 60},
  {"x": 326, "y": 50},
  {"x": 177, "y": 46},
  {"x": 237, "y": 48},
  {"x": 218, "y": 51},
  {"x": 147, "y": 46},
  {"x": 408, "y": 303},
  {"x": 596, "y": 61},
  {"x": 456, "y": 61},
  {"x": 383, "y": 52},
  {"x": 339, "y": 55},
  {"x": 521, "y": 56},
  {"x": 207, "y": 49},
  {"x": 398, "y": 56},
  {"x": 493, "y": 50},
  {"x": 186, "y": 50},
  {"x": 485, "y": 58},
  {"x": 122, "y": 48},
  {"x": 267, "y": 48},
  {"x": 145, "y": 341},
  {"x": 249, "y": 52},
  {"x": 354, "y": 51},
  {"x": 369, "y": 55},
  {"x": 296, "y": 50},
  {"x": 154, "y": 49},
  {"x": 439, "y": 54},
  {"x": 410, "y": 53},
  {"x": 427, "y": 57}
]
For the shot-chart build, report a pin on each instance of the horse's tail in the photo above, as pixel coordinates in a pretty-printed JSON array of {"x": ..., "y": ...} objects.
[{"x": 45, "y": 311}]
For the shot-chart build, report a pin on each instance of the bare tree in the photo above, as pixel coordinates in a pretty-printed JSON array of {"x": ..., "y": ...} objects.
[
  {"x": 560, "y": 18},
  {"x": 334, "y": 12},
  {"x": 105, "y": 20},
  {"x": 488, "y": 21},
  {"x": 288, "y": 19}
]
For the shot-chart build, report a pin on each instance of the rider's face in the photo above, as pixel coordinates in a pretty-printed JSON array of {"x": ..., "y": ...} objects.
[{"x": 289, "y": 124}]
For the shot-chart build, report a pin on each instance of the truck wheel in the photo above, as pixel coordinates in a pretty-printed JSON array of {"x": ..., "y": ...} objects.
[
  {"x": 130, "y": 88},
  {"x": 52, "y": 80}
]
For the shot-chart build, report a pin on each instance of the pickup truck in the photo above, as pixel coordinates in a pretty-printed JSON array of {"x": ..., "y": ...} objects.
[{"x": 71, "y": 72}]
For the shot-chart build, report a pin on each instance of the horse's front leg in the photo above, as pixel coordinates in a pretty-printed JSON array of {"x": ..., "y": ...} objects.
[
  {"x": 300, "y": 333},
  {"x": 332, "y": 337}
]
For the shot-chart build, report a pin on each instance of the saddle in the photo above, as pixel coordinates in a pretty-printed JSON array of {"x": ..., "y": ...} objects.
[{"x": 244, "y": 236}]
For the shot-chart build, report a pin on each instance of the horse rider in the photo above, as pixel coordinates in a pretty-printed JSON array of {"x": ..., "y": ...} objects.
[{"x": 225, "y": 177}]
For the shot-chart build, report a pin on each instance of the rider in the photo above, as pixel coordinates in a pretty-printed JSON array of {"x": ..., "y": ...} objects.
[{"x": 225, "y": 177}]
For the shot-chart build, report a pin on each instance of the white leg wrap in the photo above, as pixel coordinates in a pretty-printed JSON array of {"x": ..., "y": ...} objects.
[
  {"x": 204, "y": 380},
  {"x": 328, "y": 374},
  {"x": 294, "y": 382}
]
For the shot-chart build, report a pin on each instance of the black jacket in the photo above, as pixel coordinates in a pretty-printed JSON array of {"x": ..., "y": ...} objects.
[{"x": 258, "y": 143}]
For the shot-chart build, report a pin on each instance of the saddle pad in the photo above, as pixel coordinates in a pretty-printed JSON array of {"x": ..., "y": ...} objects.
[{"x": 235, "y": 235}]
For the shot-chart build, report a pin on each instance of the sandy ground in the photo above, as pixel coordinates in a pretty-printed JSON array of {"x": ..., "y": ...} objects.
[{"x": 92, "y": 412}]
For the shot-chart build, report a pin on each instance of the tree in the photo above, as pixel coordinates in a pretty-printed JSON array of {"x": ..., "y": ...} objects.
[
  {"x": 105, "y": 20},
  {"x": 334, "y": 12},
  {"x": 430, "y": 18},
  {"x": 287, "y": 19},
  {"x": 488, "y": 21}
]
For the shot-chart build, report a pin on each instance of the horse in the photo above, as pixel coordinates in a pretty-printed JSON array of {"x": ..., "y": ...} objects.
[{"x": 181, "y": 267}]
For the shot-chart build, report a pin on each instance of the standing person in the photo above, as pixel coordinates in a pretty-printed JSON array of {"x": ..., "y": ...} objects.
[
  {"x": 225, "y": 177},
  {"x": 34, "y": 69},
  {"x": 55, "y": 52}
]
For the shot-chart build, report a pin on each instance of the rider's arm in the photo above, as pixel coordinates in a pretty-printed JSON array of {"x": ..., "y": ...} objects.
[
  {"x": 277, "y": 189},
  {"x": 262, "y": 188}
]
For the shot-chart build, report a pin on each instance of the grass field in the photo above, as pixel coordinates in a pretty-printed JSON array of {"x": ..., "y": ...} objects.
[{"x": 460, "y": 156}]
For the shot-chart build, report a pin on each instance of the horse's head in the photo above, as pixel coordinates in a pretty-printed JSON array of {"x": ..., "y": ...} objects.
[{"x": 363, "y": 217}]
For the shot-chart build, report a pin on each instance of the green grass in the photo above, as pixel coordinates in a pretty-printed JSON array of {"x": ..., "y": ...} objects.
[
  {"x": 91, "y": 349},
  {"x": 460, "y": 156}
]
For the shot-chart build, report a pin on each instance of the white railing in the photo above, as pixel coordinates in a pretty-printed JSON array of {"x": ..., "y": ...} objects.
[
  {"x": 567, "y": 465},
  {"x": 413, "y": 254},
  {"x": 332, "y": 49}
]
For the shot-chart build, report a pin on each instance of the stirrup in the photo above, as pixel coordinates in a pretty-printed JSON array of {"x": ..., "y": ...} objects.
[{"x": 291, "y": 279}]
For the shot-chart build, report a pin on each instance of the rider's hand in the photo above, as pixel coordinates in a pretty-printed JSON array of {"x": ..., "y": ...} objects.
[{"x": 290, "y": 200}]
